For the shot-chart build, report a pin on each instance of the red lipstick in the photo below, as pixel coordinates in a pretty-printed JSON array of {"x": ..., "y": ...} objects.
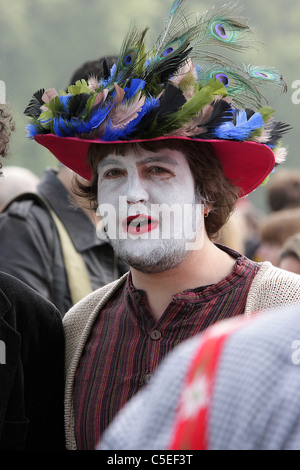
[{"x": 139, "y": 224}]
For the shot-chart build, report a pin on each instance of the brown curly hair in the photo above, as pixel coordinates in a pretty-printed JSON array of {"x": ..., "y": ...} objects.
[
  {"x": 219, "y": 193},
  {"x": 7, "y": 126}
]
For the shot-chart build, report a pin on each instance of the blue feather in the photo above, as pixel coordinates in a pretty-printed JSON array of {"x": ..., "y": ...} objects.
[
  {"x": 103, "y": 82},
  {"x": 243, "y": 127},
  {"x": 97, "y": 117},
  {"x": 149, "y": 105},
  {"x": 112, "y": 133},
  {"x": 136, "y": 85},
  {"x": 32, "y": 130},
  {"x": 65, "y": 127},
  {"x": 64, "y": 99},
  {"x": 62, "y": 127}
]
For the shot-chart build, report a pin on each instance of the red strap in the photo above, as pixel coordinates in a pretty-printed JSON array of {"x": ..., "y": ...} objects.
[{"x": 192, "y": 418}]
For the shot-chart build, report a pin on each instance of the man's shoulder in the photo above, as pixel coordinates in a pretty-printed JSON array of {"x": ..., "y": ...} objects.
[
  {"x": 271, "y": 287},
  {"x": 27, "y": 220},
  {"x": 19, "y": 298},
  {"x": 272, "y": 275},
  {"x": 25, "y": 206}
]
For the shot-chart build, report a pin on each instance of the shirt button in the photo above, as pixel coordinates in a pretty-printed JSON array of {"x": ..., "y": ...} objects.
[
  {"x": 137, "y": 297},
  {"x": 147, "y": 378},
  {"x": 155, "y": 335}
]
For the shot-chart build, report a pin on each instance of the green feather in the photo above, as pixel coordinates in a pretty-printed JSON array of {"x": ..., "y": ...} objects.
[
  {"x": 192, "y": 107},
  {"x": 55, "y": 105},
  {"x": 80, "y": 86},
  {"x": 89, "y": 104},
  {"x": 187, "y": 82},
  {"x": 266, "y": 113},
  {"x": 265, "y": 181},
  {"x": 45, "y": 119},
  {"x": 140, "y": 61}
]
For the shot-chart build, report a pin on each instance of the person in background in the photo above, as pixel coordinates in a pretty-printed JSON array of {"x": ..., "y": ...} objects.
[
  {"x": 283, "y": 189},
  {"x": 50, "y": 242},
  {"x": 31, "y": 357},
  {"x": 16, "y": 180},
  {"x": 236, "y": 386},
  {"x": 160, "y": 143},
  {"x": 289, "y": 256},
  {"x": 250, "y": 218},
  {"x": 282, "y": 194},
  {"x": 274, "y": 230}
]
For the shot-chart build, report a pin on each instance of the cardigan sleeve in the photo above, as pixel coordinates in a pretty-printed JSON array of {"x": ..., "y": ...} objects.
[
  {"x": 272, "y": 287},
  {"x": 80, "y": 318}
]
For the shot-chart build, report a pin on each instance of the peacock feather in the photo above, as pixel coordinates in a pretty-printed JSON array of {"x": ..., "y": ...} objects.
[
  {"x": 244, "y": 92},
  {"x": 185, "y": 37},
  {"x": 131, "y": 58},
  {"x": 160, "y": 92},
  {"x": 262, "y": 75},
  {"x": 223, "y": 27}
]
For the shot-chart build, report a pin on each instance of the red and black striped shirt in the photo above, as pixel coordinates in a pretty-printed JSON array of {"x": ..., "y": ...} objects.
[{"x": 126, "y": 344}]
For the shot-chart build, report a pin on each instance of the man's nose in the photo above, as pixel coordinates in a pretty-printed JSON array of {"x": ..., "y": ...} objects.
[{"x": 136, "y": 191}]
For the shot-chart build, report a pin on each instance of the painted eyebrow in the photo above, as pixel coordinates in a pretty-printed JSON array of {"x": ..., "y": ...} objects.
[
  {"x": 108, "y": 162},
  {"x": 158, "y": 159},
  {"x": 154, "y": 159}
]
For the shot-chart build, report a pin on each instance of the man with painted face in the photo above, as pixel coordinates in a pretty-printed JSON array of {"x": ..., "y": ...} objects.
[
  {"x": 168, "y": 149},
  {"x": 160, "y": 226}
]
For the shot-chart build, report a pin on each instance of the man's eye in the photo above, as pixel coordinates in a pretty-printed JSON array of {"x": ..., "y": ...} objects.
[
  {"x": 114, "y": 173},
  {"x": 159, "y": 170}
]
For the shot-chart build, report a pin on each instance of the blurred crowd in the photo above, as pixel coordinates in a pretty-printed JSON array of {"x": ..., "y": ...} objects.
[{"x": 273, "y": 234}]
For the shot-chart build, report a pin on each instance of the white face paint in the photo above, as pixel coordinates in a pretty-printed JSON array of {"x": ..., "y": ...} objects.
[{"x": 150, "y": 197}]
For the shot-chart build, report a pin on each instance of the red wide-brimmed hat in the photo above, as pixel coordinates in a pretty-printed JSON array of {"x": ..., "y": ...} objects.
[
  {"x": 161, "y": 94},
  {"x": 246, "y": 164}
]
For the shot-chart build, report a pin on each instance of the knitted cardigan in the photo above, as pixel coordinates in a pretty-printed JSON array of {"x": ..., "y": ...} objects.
[{"x": 272, "y": 287}]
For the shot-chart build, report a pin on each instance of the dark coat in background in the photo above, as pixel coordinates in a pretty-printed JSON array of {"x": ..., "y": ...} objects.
[
  {"x": 31, "y": 251},
  {"x": 31, "y": 369}
]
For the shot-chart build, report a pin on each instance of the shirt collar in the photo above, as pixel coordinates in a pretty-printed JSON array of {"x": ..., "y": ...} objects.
[{"x": 243, "y": 267}]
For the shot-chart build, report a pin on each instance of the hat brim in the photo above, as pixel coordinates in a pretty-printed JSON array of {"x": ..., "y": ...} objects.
[{"x": 246, "y": 164}]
